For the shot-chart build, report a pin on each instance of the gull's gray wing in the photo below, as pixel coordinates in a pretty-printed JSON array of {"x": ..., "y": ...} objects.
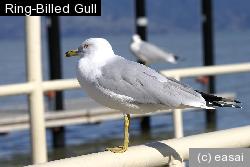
[
  {"x": 153, "y": 53},
  {"x": 145, "y": 85}
]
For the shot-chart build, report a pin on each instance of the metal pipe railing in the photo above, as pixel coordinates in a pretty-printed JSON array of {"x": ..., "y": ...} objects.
[
  {"x": 198, "y": 71},
  {"x": 208, "y": 70},
  {"x": 178, "y": 120},
  {"x": 62, "y": 84},
  {"x": 16, "y": 89},
  {"x": 26, "y": 88},
  {"x": 36, "y": 99},
  {"x": 167, "y": 152}
]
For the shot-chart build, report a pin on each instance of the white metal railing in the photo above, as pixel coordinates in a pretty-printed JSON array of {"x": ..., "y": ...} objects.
[
  {"x": 63, "y": 84},
  {"x": 35, "y": 86},
  {"x": 208, "y": 70},
  {"x": 36, "y": 99},
  {"x": 200, "y": 71},
  {"x": 160, "y": 153},
  {"x": 26, "y": 88}
]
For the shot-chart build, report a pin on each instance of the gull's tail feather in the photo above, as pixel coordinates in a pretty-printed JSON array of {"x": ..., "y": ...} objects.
[{"x": 216, "y": 101}]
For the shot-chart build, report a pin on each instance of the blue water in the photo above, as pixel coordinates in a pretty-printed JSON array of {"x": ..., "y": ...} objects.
[{"x": 230, "y": 47}]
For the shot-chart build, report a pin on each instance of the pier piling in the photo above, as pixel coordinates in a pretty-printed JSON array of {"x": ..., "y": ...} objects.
[
  {"x": 208, "y": 54},
  {"x": 141, "y": 30},
  {"x": 55, "y": 67}
]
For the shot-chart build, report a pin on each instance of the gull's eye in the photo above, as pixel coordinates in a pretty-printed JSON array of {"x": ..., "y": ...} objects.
[{"x": 86, "y": 46}]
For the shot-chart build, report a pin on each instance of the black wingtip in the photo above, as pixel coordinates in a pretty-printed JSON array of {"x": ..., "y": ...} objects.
[
  {"x": 237, "y": 106},
  {"x": 237, "y": 101},
  {"x": 176, "y": 57},
  {"x": 218, "y": 104}
]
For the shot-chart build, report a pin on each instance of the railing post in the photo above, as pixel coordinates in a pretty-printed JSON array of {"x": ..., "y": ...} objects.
[
  {"x": 36, "y": 100},
  {"x": 141, "y": 30},
  {"x": 178, "y": 120}
]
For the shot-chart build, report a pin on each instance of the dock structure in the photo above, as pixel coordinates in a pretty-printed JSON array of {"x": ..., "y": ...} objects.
[
  {"x": 87, "y": 112},
  {"x": 160, "y": 153},
  {"x": 76, "y": 111}
]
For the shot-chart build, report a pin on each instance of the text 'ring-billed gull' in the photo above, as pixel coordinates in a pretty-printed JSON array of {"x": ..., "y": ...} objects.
[{"x": 131, "y": 87}]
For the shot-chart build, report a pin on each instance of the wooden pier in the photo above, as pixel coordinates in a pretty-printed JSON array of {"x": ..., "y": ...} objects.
[{"x": 77, "y": 111}]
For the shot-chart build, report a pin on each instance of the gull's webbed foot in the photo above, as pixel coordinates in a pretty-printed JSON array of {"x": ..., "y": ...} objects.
[
  {"x": 119, "y": 149},
  {"x": 122, "y": 149}
]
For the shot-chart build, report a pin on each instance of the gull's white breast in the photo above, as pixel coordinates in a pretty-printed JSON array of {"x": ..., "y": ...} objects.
[{"x": 87, "y": 76}]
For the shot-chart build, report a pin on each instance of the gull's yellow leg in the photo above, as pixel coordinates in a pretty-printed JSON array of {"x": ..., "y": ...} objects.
[{"x": 121, "y": 149}]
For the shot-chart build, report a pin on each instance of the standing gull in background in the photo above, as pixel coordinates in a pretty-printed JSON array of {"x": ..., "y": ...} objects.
[
  {"x": 131, "y": 87},
  {"x": 150, "y": 53}
]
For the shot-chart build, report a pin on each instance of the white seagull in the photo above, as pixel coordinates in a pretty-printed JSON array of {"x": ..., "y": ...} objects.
[
  {"x": 150, "y": 53},
  {"x": 131, "y": 87}
]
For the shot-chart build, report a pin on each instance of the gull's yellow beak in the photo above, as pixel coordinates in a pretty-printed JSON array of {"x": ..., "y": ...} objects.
[{"x": 71, "y": 53}]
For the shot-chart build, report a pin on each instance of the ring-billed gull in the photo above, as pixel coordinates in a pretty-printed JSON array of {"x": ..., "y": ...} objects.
[
  {"x": 150, "y": 53},
  {"x": 131, "y": 87}
]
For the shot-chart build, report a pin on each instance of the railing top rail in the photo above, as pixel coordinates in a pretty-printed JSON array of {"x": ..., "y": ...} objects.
[
  {"x": 25, "y": 88},
  {"x": 208, "y": 70},
  {"x": 160, "y": 152}
]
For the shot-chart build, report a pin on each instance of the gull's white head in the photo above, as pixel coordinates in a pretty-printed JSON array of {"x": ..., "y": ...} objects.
[
  {"x": 94, "y": 53},
  {"x": 135, "y": 44},
  {"x": 136, "y": 38},
  {"x": 92, "y": 47},
  {"x": 171, "y": 58}
]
